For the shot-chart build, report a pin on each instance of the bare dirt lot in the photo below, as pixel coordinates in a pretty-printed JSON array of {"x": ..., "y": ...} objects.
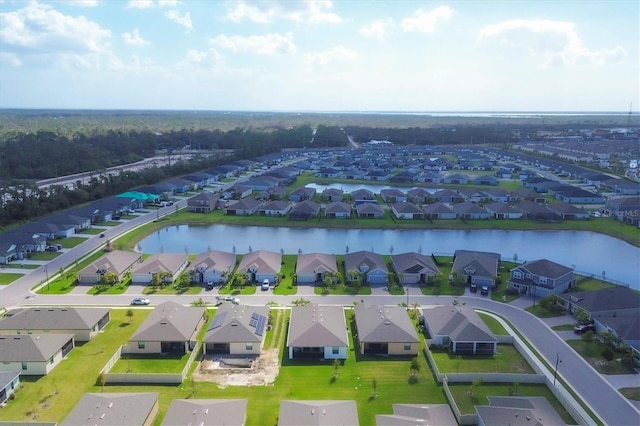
[{"x": 263, "y": 371}]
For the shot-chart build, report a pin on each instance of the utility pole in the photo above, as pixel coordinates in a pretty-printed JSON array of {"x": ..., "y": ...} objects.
[
  {"x": 46, "y": 271},
  {"x": 555, "y": 373},
  {"x": 407, "y": 298}
]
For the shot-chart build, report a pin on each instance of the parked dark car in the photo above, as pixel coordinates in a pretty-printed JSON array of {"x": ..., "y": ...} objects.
[
  {"x": 484, "y": 290},
  {"x": 583, "y": 328},
  {"x": 210, "y": 285},
  {"x": 473, "y": 288}
]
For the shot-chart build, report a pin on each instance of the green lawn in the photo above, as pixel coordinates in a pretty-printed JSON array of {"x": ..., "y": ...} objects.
[
  {"x": 91, "y": 231},
  {"x": 119, "y": 288},
  {"x": 172, "y": 289},
  {"x": 286, "y": 286},
  {"x": 44, "y": 255},
  {"x": 493, "y": 324},
  {"x": 468, "y": 397},
  {"x": 563, "y": 327},
  {"x": 343, "y": 290},
  {"x": 631, "y": 393},
  {"x": 70, "y": 242},
  {"x": 150, "y": 363},
  {"x": 507, "y": 360},
  {"x": 8, "y": 278},
  {"x": 541, "y": 312},
  {"x": 591, "y": 284},
  {"x": 592, "y": 353},
  {"x": 237, "y": 291}
]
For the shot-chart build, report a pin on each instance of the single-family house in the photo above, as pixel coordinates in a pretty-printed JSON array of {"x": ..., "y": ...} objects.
[
  {"x": 205, "y": 202},
  {"x": 541, "y": 278},
  {"x": 333, "y": 194},
  {"x": 537, "y": 212},
  {"x": 472, "y": 195},
  {"x": 261, "y": 265},
  {"x": 244, "y": 207},
  {"x": 579, "y": 196},
  {"x": 448, "y": 196},
  {"x": 237, "y": 192},
  {"x": 315, "y": 267},
  {"x": 237, "y": 330},
  {"x": 500, "y": 210},
  {"x": 366, "y": 266},
  {"x": 413, "y": 268},
  {"x": 206, "y": 412},
  {"x": 404, "y": 210},
  {"x": 305, "y": 210},
  {"x": 169, "y": 328},
  {"x": 34, "y": 354},
  {"x": 117, "y": 262},
  {"x": 9, "y": 383},
  {"x": 393, "y": 195},
  {"x": 568, "y": 211},
  {"x": 114, "y": 409},
  {"x": 416, "y": 414},
  {"x": 615, "y": 302},
  {"x": 362, "y": 194},
  {"x": 470, "y": 211},
  {"x": 318, "y": 332},
  {"x": 418, "y": 195},
  {"x": 460, "y": 329},
  {"x": 302, "y": 193},
  {"x": 439, "y": 211},
  {"x": 318, "y": 413},
  {"x": 338, "y": 210},
  {"x": 498, "y": 195},
  {"x": 8, "y": 252},
  {"x": 405, "y": 176},
  {"x": 476, "y": 267},
  {"x": 275, "y": 208},
  {"x": 164, "y": 267},
  {"x": 83, "y": 323},
  {"x": 369, "y": 211},
  {"x": 486, "y": 180},
  {"x": 456, "y": 179},
  {"x": 517, "y": 411},
  {"x": 385, "y": 330},
  {"x": 213, "y": 266},
  {"x": 626, "y": 209}
]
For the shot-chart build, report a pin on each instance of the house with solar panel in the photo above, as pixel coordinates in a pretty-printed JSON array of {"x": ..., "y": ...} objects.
[
  {"x": 169, "y": 328},
  {"x": 237, "y": 330}
]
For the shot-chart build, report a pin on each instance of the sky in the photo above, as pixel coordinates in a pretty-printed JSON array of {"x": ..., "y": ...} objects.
[{"x": 321, "y": 55}]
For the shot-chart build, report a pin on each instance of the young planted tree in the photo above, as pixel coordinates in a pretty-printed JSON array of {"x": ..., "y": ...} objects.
[
  {"x": 130, "y": 315},
  {"x": 336, "y": 365},
  {"x": 415, "y": 367}
]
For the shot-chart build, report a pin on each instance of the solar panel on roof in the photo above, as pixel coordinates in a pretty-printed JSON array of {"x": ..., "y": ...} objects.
[
  {"x": 253, "y": 322},
  {"x": 217, "y": 320},
  {"x": 262, "y": 321},
  {"x": 255, "y": 316}
]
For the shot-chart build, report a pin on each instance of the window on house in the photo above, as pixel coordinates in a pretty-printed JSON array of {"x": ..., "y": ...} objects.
[
  {"x": 249, "y": 346},
  {"x": 543, "y": 280},
  {"x": 407, "y": 346},
  {"x": 140, "y": 345},
  {"x": 517, "y": 274},
  {"x": 335, "y": 350},
  {"x": 51, "y": 360},
  {"x": 24, "y": 365}
]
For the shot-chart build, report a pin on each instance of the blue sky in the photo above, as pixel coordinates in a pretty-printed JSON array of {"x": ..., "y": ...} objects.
[{"x": 340, "y": 55}]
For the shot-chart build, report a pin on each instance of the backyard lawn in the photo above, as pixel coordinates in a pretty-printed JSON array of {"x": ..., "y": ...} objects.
[
  {"x": 493, "y": 324},
  {"x": 507, "y": 360},
  {"x": 150, "y": 363}
]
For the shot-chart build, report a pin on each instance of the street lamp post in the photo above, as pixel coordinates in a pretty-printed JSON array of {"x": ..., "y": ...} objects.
[
  {"x": 533, "y": 286},
  {"x": 555, "y": 373},
  {"x": 46, "y": 271},
  {"x": 407, "y": 298}
]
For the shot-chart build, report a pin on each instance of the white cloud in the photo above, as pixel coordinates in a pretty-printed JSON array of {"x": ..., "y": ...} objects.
[
  {"x": 555, "y": 42},
  {"x": 83, "y": 3},
  {"x": 261, "y": 12},
  {"x": 134, "y": 38},
  {"x": 338, "y": 53},
  {"x": 268, "y": 44},
  {"x": 377, "y": 29},
  {"x": 139, "y": 4},
  {"x": 184, "y": 19},
  {"x": 426, "y": 21}
]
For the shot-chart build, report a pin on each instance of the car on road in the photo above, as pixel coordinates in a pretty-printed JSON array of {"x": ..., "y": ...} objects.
[
  {"x": 265, "y": 284},
  {"x": 102, "y": 235},
  {"x": 484, "y": 290},
  {"x": 140, "y": 301},
  {"x": 583, "y": 328}
]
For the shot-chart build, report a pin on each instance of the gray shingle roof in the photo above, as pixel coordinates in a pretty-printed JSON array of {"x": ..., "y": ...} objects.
[
  {"x": 355, "y": 261},
  {"x": 214, "y": 260},
  {"x": 605, "y": 300},
  {"x": 165, "y": 262},
  {"x": 317, "y": 326},
  {"x": 232, "y": 324},
  {"x": 206, "y": 412},
  {"x": 460, "y": 323},
  {"x": 545, "y": 268},
  {"x": 418, "y": 414},
  {"x": 414, "y": 263},
  {"x": 389, "y": 324},
  {"x": 52, "y": 318},
  {"x": 31, "y": 347},
  {"x": 318, "y": 413},
  {"x": 316, "y": 263},
  {"x": 117, "y": 261},
  {"x": 485, "y": 264},
  {"x": 169, "y": 322},
  {"x": 263, "y": 261},
  {"x": 113, "y": 409}
]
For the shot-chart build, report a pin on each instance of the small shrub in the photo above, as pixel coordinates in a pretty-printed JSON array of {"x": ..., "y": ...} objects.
[{"x": 607, "y": 353}]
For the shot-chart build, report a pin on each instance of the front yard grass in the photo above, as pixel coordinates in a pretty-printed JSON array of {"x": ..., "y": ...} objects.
[
  {"x": 171, "y": 289},
  {"x": 507, "y": 360},
  {"x": 341, "y": 289},
  {"x": 118, "y": 288},
  {"x": 631, "y": 393},
  {"x": 493, "y": 324},
  {"x": 468, "y": 397},
  {"x": 150, "y": 363},
  {"x": 542, "y": 312},
  {"x": 70, "y": 242},
  {"x": 8, "y": 278},
  {"x": 563, "y": 327},
  {"x": 592, "y": 353}
]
